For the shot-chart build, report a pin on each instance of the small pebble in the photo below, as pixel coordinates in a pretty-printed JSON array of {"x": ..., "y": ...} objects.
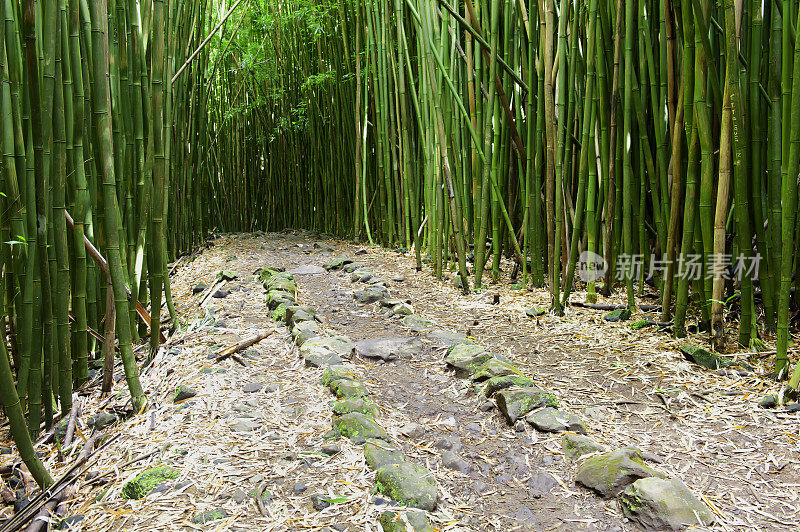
[
  {"x": 318, "y": 502},
  {"x": 331, "y": 448}
]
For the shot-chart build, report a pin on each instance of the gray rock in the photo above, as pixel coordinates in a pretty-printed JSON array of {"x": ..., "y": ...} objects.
[
  {"x": 575, "y": 446},
  {"x": 417, "y": 323},
  {"x": 220, "y": 294},
  {"x": 412, "y": 430},
  {"x": 526, "y": 516},
  {"x": 359, "y": 427},
  {"x": 321, "y": 358},
  {"x": 540, "y": 484},
  {"x": 319, "y": 502},
  {"x": 299, "y": 487},
  {"x": 474, "y": 427},
  {"x": 551, "y": 420},
  {"x": 182, "y": 393},
  {"x": 449, "y": 443},
  {"x": 486, "y": 406},
  {"x": 307, "y": 269},
  {"x": 304, "y": 331},
  {"x": 448, "y": 338},
  {"x": 768, "y": 401},
  {"x": 378, "y": 454},
  {"x": 245, "y": 425},
  {"x": 453, "y": 461},
  {"x": 371, "y": 294},
  {"x": 659, "y": 504},
  {"x": 351, "y": 267},
  {"x": 102, "y": 420},
  {"x": 390, "y": 348},
  {"x": 198, "y": 288},
  {"x": 340, "y": 346},
  {"x": 252, "y": 387},
  {"x": 409, "y": 484},
  {"x": 515, "y": 403},
  {"x": 240, "y": 496},
  {"x": 610, "y": 473},
  {"x": 331, "y": 449},
  {"x": 398, "y": 278}
]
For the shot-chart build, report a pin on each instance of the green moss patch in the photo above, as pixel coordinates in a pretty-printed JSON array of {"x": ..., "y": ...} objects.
[{"x": 139, "y": 487}]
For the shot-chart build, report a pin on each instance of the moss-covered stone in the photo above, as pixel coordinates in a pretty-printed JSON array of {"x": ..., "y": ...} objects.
[
  {"x": 515, "y": 403},
  {"x": 304, "y": 331},
  {"x": 320, "y": 357},
  {"x": 346, "y": 405},
  {"x": 333, "y": 373},
  {"x": 323, "y": 351},
  {"x": 227, "y": 275},
  {"x": 659, "y": 504},
  {"x": 495, "y": 384},
  {"x": 139, "y": 487},
  {"x": 268, "y": 271},
  {"x": 279, "y": 314},
  {"x": 576, "y": 445},
  {"x": 641, "y": 324},
  {"x": 370, "y": 294},
  {"x": 351, "y": 267},
  {"x": 348, "y": 388},
  {"x": 551, "y": 420},
  {"x": 359, "y": 427},
  {"x": 378, "y": 453},
  {"x": 280, "y": 283},
  {"x": 277, "y": 297},
  {"x": 610, "y": 473},
  {"x": 341, "y": 345},
  {"x": 495, "y": 367},
  {"x": 620, "y": 314},
  {"x": 210, "y": 515},
  {"x": 297, "y": 314},
  {"x": 337, "y": 263},
  {"x": 709, "y": 360},
  {"x": 182, "y": 393},
  {"x": 466, "y": 358},
  {"x": 408, "y": 484},
  {"x": 409, "y": 521}
]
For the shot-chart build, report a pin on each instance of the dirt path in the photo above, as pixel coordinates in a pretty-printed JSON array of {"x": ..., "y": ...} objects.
[{"x": 629, "y": 387}]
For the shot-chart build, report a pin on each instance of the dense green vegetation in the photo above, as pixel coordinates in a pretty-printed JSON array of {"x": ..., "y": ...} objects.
[{"x": 646, "y": 132}]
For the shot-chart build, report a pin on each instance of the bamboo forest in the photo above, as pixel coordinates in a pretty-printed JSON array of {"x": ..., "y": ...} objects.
[{"x": 395, "y": 265}]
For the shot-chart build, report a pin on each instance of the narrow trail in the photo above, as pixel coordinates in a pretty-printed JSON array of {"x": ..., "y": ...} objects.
[{"x": 261, "y": 425}]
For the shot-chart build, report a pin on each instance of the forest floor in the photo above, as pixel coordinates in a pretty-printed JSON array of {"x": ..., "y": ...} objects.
[{"x": 260, "y": 423}]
